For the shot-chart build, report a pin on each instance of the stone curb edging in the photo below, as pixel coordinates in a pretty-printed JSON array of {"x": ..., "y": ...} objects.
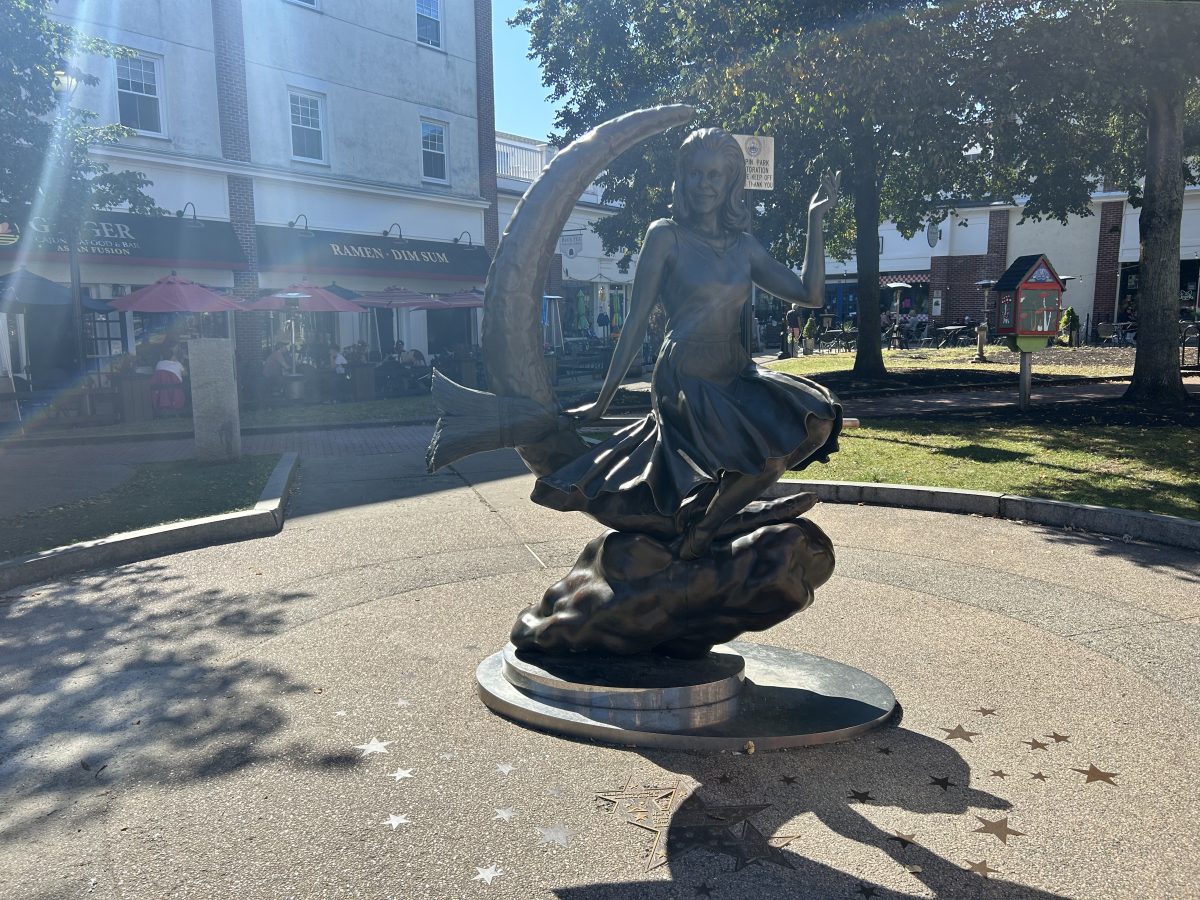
[
  {"x": 265, "y": 518},
  {"x": 1173, "y": 531}
]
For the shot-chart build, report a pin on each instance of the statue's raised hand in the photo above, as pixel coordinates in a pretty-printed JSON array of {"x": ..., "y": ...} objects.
[{"x": 826, "y": 196}]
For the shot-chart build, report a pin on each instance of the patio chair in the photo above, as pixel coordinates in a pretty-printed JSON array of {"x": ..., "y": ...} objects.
[
  {"x": 167, "y": 397},
  {"x": 1107, "y": 332}
]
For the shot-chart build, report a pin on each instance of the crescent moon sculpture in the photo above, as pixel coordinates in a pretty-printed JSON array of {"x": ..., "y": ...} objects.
[
  {"x": 622, "y": 648},
  {"x": 523, "y": 412}
]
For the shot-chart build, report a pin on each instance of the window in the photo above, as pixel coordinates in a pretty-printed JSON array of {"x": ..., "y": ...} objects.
[
  {"x": 307, "y": 142},
  {"x": 138, "y": 95},
  {"x": 433, "y": 151},
  {"x": 429, "y": 22}
]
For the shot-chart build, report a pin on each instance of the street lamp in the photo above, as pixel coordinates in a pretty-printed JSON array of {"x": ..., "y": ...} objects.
[
  {"x": 399, "y": 236},
  {"x": 64, "y": 87},
  {"x": 459, "y": 238}
]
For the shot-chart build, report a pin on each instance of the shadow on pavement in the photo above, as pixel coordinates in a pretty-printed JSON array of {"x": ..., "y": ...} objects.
[
  {"x": 121, "y": 675},
  {"x": 894, "y": 766},
  {"x": 1162, "y": 560},
  {"x": 328, "y": 484}
]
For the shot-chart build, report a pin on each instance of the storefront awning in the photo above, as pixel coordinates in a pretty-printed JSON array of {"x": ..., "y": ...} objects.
[
  {"x": 121, "y": 238},
  {"x": 340, "y": 253},
  {"x": 913, "y": 278}
]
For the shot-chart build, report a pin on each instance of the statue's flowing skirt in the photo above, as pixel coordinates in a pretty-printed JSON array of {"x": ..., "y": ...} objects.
[{"x": 714, "y": 411}]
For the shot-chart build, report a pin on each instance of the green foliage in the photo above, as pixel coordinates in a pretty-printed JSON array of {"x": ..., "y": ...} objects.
[
  {"x": 1069, "y": 321},
  {"x": 810, "y": 327},
  {"x": 47, "y": 169}
]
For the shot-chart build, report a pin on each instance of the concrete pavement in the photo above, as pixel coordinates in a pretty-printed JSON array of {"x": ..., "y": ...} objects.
[{"x": 201, "y": 725}]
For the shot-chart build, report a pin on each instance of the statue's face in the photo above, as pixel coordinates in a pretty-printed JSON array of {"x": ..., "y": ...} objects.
[{"x": 706, "y": 181}]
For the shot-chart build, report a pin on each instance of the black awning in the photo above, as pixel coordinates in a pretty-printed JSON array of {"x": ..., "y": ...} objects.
[
  {"x": 338, "y": 253},
  {"x": 117, "y": 237}
]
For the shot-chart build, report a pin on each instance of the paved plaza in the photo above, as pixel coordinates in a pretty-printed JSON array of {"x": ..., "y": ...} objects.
[{"x": 296, "y": 717}]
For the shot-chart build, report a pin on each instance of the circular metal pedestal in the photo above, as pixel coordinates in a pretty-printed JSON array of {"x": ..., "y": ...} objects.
[{"x": 788, "y": 699}]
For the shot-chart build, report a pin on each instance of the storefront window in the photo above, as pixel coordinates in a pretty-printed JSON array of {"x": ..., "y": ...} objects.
[{"x": 103, "y": 344}]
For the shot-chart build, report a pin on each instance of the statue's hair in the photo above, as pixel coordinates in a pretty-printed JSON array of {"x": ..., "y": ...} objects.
[{"x": 735, "y": 216}]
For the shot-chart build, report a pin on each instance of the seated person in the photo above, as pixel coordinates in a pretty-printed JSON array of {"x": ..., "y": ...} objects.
[
  {"x": 167, "y": 394},
  {"x": 170, "y": 363}
]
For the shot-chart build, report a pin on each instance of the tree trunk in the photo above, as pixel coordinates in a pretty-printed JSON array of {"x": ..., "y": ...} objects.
[
  {"x": 868, "y": 358},
  {"x": 1156, "y": 375}
]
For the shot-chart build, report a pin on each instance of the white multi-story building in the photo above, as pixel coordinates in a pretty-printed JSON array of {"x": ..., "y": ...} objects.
[{"x": 320, "y": 140}]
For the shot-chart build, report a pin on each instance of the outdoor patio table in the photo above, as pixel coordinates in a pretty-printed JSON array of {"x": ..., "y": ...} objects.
[{"x": 950, "y": 334}]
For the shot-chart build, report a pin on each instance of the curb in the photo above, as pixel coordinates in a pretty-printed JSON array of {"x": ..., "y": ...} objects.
[
  {"x": 1154, "y": 528},
  {"x": 265, "y": 518}
]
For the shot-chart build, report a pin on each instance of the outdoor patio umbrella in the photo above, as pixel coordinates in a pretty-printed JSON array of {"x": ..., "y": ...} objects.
[
  {"x": 463, "y": 300},
  {"x": 173, "y": 294},
  {"x": 305, "y": 297},
  {"x": 22, "y": 289},
  {"x": 344, "y": 292},
  {"x": 400, "y": 298}
]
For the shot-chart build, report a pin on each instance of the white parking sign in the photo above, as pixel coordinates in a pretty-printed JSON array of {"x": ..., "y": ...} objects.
[{"x": 760, "y": 161}]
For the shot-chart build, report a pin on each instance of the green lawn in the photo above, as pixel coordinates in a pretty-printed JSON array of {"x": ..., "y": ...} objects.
[
  {"x": 1148, "y": 466},
  {"x": 1053, "y": 361},
  {"x": 156, "y": 493}
]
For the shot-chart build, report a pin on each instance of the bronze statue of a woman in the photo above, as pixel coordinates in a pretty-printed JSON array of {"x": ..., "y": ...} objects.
[{"x": 695, "y": 558}]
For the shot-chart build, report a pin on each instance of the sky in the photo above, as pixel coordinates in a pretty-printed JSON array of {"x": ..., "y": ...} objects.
[{"x": 521, "y": 107}]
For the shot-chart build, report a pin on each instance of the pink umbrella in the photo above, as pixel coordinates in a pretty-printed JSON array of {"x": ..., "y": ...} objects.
[
  {"x": 173, "y": 295},
  {"x": 400, "y": 298},
  {"x": 306, "y": 297}
]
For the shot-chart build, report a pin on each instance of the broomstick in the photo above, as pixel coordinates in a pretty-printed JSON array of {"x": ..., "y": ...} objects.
[{"x": 478, "y": 421}]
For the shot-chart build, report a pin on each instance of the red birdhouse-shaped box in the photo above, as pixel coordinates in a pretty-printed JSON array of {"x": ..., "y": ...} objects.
[{"x": 1030, "y": 302}]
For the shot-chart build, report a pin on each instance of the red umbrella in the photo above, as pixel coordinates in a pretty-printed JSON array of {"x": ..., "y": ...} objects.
[
  {"x": 306, "y": 297},
  {"x": 400, "y": 298},
  {"x": 173, "y": 294},
  {"x": 463, "y": 300}
]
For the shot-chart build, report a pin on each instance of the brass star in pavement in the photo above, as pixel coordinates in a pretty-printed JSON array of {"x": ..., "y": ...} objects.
[
  {"x": 788, "y": 779},
  {"x": 703, "y": 890},
  {"x": 1058, "y": 738},
  {"x": 944, "y": 783},
  {"x": 886, "y": 751},
  {"x": 999, "y": 829},
  {"x": 1039, "y": 776},
  {"x": 861, "y": 796},
  {"x": 724, "y": 779},
  {"x": 999, "y": 773},
  {"x": 1035, "y": 744},
  {"x": 1094, "y": 774},
  {"x": 904, "y": 839},
  {"x": 984, "y": 711},
  {"x": 981, "y": 867},
  {"x": 958, "y": 733},
  {"x": 867, "y": 890}
]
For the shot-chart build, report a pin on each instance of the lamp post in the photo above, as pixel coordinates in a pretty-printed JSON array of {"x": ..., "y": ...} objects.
[{"x": 64, "y": 88}]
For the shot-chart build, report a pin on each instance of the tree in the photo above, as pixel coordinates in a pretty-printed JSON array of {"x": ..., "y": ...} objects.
[
  {"x": 1103, "y": 88},
  {"x": 47, "y": 170},
  {"x": 869, "y": 87}
]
